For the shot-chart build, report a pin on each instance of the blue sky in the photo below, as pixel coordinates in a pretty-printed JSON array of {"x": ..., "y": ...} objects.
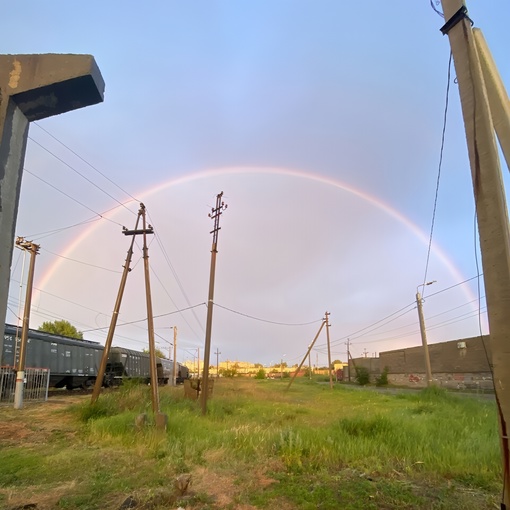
[{"x": 344, "y": 91}]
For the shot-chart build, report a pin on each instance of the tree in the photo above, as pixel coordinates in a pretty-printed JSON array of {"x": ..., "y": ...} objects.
[
  {"x": 159, "y": 353},
  {"x": 62, "y": 328},
  {"x": 362, "y": 375}
]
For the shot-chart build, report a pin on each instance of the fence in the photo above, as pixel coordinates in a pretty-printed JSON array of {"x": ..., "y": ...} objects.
[{"x": 37, "y": 381}]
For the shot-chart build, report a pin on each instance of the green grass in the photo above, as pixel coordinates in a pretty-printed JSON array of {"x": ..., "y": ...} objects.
[{"x": 260, "y": 445}]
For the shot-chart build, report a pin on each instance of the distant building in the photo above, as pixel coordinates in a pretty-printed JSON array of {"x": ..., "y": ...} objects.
[{"x": 459, "y": 364}]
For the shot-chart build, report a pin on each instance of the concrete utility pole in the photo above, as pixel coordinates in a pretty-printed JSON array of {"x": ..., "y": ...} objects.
[
  {"x": 475, "y": 84},
  {"x": 175, "y": 355},
  {"x": 217, "y": 362},
  {"x": 20, "y": 374},
  {"x": 348, "y": 356},
  {"x": 150, "y": 322},
  {"x": 215, "y": 215},
  {"x": 33, "y": 87},
  {"x": 423, "y": 331},
  {"x": 115, "y": 315},
  {"x": 330, "y": 369}
]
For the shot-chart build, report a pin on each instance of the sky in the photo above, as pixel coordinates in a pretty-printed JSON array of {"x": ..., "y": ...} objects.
[{"x": 321, "y": 124}]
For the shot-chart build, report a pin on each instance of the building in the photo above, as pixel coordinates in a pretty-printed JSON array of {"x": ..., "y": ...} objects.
[{"x": 456, "y": 364}]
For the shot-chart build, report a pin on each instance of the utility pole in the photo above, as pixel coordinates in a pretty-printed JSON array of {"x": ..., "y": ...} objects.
[
  {"x": 20, "y": 371},
  {"x": 214, "y": 215},
  {"x": 348, "y": 356},
  {"x": 309, "y": 364},
  {"x": 217, "y": 362},
  {"x": 307, "y": 354},
  {"x": 150, "y": 317},
  {"x": 423, "y": 331},
  {"x": 115, "y": 315},
  {"x": 480, "y": 119},
  {"x": 175, "y": 355},
  {"x": 329, "y": 351}
]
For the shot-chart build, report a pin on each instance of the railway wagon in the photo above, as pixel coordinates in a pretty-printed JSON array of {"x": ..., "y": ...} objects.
[
  {"x": 72, "y": 363},
  {"x": 126, "y": 363},
  {"x": 75, "y": 363}
]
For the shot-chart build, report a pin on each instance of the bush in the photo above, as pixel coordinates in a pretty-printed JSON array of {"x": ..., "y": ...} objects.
[
  {"x": 261, "y": 374},
  {"x": 362, "y": 376},
  {"x": 382, "y": 380}
]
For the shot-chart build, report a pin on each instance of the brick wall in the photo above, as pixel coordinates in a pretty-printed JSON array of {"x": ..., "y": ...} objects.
[{"x": 458, "y": 364}]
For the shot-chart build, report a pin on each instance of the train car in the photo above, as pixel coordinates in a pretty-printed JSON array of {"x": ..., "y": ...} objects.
[
  {"x": 75, "y": 363},
  {"x": 182, "y": 373},
  {"x": 129, "y": 364},
  {"x": 72, "y": 363}
]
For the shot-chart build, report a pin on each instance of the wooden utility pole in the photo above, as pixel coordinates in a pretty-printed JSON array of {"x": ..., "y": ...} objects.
[
  {"x": 115, "y": 315},
  {"x": 491, "y": 207},
  {"x": 307, "y": 353},
  {"x": 20, "y": 370},
  {"x": 215, "y": 215}
]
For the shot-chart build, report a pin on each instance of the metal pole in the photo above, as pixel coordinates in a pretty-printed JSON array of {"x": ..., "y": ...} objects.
[
  {"x": 215, "y": 215},
  {"x": 491, "y": 210},
  {"x": 20, "y": 374},
  {"x": 113, "y": 322},
  {"x": 426, "y": 356},
  {"x": 217, "y": 362}
]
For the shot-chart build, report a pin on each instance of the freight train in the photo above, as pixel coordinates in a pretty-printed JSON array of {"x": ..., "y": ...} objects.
[{"x": 75, "y": 363}]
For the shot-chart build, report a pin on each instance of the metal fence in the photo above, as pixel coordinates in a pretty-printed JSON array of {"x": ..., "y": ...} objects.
[{"x": 37, "y": 381}]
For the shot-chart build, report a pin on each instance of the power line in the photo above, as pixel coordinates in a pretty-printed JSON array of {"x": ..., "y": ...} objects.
[
  {"x": 84, "y": 263},
  {"x": 81, "y": 175},
  {"x": 70, "y": 197},
  {"x": 266, "y": 320},
  {"x": 439, "y": 168},
  {"x": 86, "y": 162}
]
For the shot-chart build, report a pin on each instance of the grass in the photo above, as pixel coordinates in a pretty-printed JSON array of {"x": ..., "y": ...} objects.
[{"x": 260, "y": 446}]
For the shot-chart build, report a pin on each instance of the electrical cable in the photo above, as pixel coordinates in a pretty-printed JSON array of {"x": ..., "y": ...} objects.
[
  {"x": 70, "y": 197},
  {"x": 86, "y": 162},
  {"x": 266, "y": 320},
  {"x": 81, "y": 262},
  {"x": 81, "y": 175},
  {"x": 439, "y": 169}
]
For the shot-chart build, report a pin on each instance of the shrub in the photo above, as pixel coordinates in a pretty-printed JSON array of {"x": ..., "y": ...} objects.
[
  {"x": 261, "y": 374},
  {"x": 382, "y": 380},
  {"x": 362, "y": 376}
]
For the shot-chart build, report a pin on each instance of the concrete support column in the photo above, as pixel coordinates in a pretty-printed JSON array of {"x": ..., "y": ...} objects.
[{"x": 33, "y": 87}]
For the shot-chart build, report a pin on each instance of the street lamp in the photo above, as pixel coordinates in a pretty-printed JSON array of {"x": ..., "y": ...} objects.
[{"x": 419, "y": 304}]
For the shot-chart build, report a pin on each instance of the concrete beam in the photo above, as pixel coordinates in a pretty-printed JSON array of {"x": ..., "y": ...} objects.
[{"x": 33, "y": 87}]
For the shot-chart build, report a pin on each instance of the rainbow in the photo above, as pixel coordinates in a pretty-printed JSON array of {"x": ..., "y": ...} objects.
[{"x": 376, "y": 202}]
